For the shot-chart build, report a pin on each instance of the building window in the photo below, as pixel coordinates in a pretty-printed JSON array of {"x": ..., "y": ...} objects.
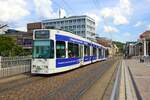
[
  {"x": 60, "y": 49},
  {"x": 78, "y": 20},
  {"x": 93, "y": 23},
  {"x": 66, "y": 27},
  {"x": 66, "y": 22},
  {"x": 79, "y": 26},
  {"x": 74, "y": 21},
  {"x": 70, "y": 27},
  {"x": 54, "y": 22},
  {"x": 58, "y": 22},
  {"x": 62, "y": 27},
  {"x": 83, "y": 26},
  {"x": 51, "y": 23},
  {"x": 78, "y": 32},
  {"x": 70, "y": 21},
  {"x": 62, "y": 22},
  {"x": 75, "y": 32},
  {"x": 83, "y": 20},
  {"x": 74, "y": 26},
  {"x": 83, "y": 31}
]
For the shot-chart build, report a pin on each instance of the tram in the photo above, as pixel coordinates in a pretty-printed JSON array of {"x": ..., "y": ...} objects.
[{"x": 56, "y": 51}]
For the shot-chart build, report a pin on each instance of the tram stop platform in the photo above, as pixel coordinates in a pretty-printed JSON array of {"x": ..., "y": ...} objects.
[{"x": 135, "y": 80}]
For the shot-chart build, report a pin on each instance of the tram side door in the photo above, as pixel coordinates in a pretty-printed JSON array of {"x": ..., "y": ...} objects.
[{"x": 81, "y": 54}]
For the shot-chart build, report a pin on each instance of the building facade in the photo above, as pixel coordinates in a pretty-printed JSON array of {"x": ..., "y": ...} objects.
[
  {"x": 112, "y": 48},
  {"x": 129, "y": 49},
  {"x": 145, "y": 40},
  {"x": 81, "y": 25},
  {"x": 23, "y": 39},
  {"x": 33, "y": 26},
  {"x": 141, "y": 47}
]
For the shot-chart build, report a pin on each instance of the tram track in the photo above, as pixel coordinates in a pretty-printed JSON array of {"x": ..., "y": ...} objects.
[
  {"x": 18, "y": 83},
  {"x": 64, "y": 86},
  {"x": 81, "y": 85}
]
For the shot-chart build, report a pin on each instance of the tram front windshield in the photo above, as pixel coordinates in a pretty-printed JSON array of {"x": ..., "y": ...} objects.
[{"x": 43, "y": 49}]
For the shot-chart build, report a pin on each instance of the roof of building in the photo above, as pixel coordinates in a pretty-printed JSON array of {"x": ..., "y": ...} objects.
[
  {"x": 72, "y": 17},
  {"x": 14, "y": 31},
  {"x": 104, "y": 41},
  {"x": 145, "y": 35}
]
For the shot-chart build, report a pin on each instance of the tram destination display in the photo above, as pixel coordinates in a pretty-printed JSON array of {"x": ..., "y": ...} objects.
[{"x": 44, "y": 34}]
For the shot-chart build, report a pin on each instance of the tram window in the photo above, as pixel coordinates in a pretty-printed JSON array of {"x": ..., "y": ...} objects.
[
  {"x": 43, "y": 51},
  {"x": 37, "y": 49},
  {"x": 86, "y": 50},
  {"x": 60, "y": 49},
  {"x": 94, "y": 51},
  {"x": 73, "y": 50},
  {"x": 81, "y": 51},
  {"x": 100, "y": 53},
  {"x": 51, "y": 48}
]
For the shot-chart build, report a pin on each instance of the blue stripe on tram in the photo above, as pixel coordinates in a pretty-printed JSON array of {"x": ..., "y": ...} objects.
[{"x": 62, "y": 62}]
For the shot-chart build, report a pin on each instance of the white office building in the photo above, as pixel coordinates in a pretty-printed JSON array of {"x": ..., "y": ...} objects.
[{"x": 81, "y": 25}]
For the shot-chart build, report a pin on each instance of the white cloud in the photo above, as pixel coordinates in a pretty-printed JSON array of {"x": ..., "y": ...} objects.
[
  {"x": 110, "y": 29},
  {"x": 119, "y": 20},
  {"x": 119, "y": 13},
  {"x": 125, "y": 6},
  {"x": 106, "y": 12},
  {"x": 12, "y": 10},
  {"x": 44, "y": 8},
  {"x": 148, "y": 27},
  {"x": 23, "y": 28},
  {"x": 139, "y": 23},
  {"x": 127, "y": 34},
  {"x": 16, "y": 12},
  {"x": 95, "y": 17}
]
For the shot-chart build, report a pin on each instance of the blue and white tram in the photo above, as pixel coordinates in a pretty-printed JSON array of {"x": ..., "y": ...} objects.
[{"x": 57, "y": 51}]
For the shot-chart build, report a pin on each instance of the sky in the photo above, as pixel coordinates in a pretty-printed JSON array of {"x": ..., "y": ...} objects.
[{"x": 119, "y": 20}]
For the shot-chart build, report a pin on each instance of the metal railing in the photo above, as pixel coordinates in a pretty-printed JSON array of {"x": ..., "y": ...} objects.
[
  {"x": 116, "y": 89},
  {"x": 14, "y": 65}
]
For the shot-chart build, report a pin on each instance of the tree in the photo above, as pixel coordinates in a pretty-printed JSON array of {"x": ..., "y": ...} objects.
[
  {"x": 9, "y": 48},
  {"x": 119, "y": 45}
]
